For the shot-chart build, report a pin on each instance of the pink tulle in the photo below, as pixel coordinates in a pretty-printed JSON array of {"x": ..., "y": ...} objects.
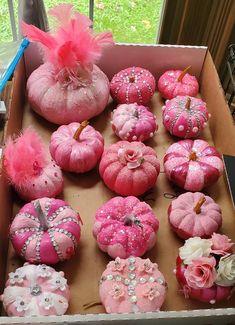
[
  {"x": 24, "y": 157},
  {"x": 72, "y": 43}
]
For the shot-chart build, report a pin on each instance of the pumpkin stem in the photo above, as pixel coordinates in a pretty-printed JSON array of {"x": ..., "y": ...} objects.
[
  {"x": 188, "y": 103},
  {"x": 193, "y": 156},
  {"x": 183, "y": 73},
  {"x": 132, "y": 220},
  {"x": 79, "y": 130},
  {"x": 131, "y": 78},
  {"x": 41, "y": 216},
  {"x": 197, "y": 207}
]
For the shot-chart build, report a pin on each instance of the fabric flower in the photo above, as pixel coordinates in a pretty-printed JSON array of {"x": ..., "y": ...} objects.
[
  {"x": 226, "y": 271},
  {"x": 133, "y": 158},
  {"x": 151, "y": 291},
  {"x": 117, "y": 291},
  {"x": 43, "y": 271},
  {"x": 58, "y": 282},
  {"x": 147, "y": 266},
  {"x": 46, "y": 301},
  {"x": 194, "y": 248},
  {"x": 16, "y": 277},
  {"x": 21, "y": 304},
  {"x": 221, "y": 244},
  {"x": 118, "y": 265},
  {"x": 201, "y": 273}
]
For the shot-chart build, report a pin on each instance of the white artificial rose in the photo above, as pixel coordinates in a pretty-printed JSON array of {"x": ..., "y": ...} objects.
[
  {"x": 194, "y": 248},
  {"x": 226, "y": 271}
]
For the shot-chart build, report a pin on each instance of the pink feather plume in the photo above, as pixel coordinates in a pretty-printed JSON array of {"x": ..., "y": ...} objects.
[
  {"x": 73, "y": 42},
  {"x": 24, "y": 157}
]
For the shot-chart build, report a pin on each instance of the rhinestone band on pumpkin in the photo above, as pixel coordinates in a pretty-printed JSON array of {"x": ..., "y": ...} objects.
[
  {"x": 67, "y": 219},
  {"x": 55, "y": 245},
  {"x": 57, "y": 212},
  {"x": 67, "y": 233}
]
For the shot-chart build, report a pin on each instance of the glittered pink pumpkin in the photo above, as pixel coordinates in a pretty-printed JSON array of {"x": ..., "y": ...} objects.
[
  {"x": 133, "y": 85},
  {"x": 132, "y": 285},
  {"x": 45, "y": 231},
  {"x": 192, "y": 164},
  {"x": 214, "y": 294},
  {"x": 133, "y": 122},
  {"x": 194, "y": 215},
  {"x": 68, "y": 87},
  {"x": 184, "y": 116},
  {"x": 76, "y": 147},
  {"x": 35, "y": 290},
  {"x": 177, "y": 83},
  {"x": 129, "y": 168},
  {"x": 125, "y": 227}
]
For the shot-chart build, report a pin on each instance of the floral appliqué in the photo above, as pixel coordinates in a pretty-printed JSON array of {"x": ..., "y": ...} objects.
[
  {"x": 21, "y": 304},
  {"x": 43, "y": 271},
  {"x": 151, "y": 291},
  {"x": 16, "y": 277},
  {"x": 117, "y": 291},
  {"x": 58, "y": 282},
  {"x": 147, "y": 266},
  {"x": 46, "y": 301},
  {"x": 118, "y": 265},
  {"x": 132, "y": 158}
]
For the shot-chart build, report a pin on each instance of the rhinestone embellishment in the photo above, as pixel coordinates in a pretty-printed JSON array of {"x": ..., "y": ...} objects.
[{"x": 35, "y": 290}]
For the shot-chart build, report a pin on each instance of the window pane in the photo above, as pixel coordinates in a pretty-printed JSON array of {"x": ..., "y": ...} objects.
[
  {"x": 132, "y": 21},
  {"x": 5, "y": 23}
]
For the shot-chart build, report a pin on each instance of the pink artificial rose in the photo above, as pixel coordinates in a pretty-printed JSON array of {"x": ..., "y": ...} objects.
[
  {"x": 201, "y": 273},
  {"x": 130, "y": 157},
  {"x": 221, "y": 244}
]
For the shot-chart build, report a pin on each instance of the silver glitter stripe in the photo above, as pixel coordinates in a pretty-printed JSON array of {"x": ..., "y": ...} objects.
[
  {"x": 127, "y": 93},
  {"x": 174, "y": 121},
  {"x": 23, "y": 230},
  {"x": 189, "y": 125},
  {"x": 27, "y": 215},
  {"x": 48, "y": 205},
  {"x": 149, "y": 88},
  {"x": 38, "y": 246},
  {"x": 26, "y": 244},
  {"x": 57, "y": 212},
  {"x": 198, "y": 124},
  {"x": 67, "y": 219},
  {"x": 67, "y": 233},
  {"x": 200, "y": 113},
  {"x": 55, "y": 245}
]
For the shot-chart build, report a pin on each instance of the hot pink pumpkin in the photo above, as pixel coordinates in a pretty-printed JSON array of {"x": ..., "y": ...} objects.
[
  {"x": 129, "y": 168},
  {"x": 177, "y": 83},
  {"x": 125, "y": 227},
  {"x": 194, "y": 214},
  {"x": 76, "y": 147},
  {"x": 192, "y": 164},
  {"x": 30, "y": 169},
  {"x": 185, "y": 116},
  {"x": 133, "y": 85},
  {"x": 45, "y": 231},
  {"x": 133, "y": 122},
  {"x": 35, "y": 290},
  {"x": 68, "y": 87},
  {"x": 132, "y": 285}
]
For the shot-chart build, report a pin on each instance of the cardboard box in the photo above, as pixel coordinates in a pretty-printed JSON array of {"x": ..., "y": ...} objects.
[{"x": 87, "y": 192}]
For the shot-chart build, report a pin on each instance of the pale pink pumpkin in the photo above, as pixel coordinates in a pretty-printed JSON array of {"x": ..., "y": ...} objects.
[
  {"x": 185, "y": 116},
  {"x": 213, "y": 294},
  {"x": 194, "y": 215},
  {"x": 132, "y": 285},
  {"x": 192, "y": 164},
  {"x": 133, "y": 85},
  {"x": 45, "y": 231},
  {"x": 68, "y": 87},
  {"x": 29, "y": 167},
  {"x": 35, "y": 290},
  {"x": 133, "y": 122},
  {"x": 76, "y": 147},
  {"x": 177, "y": 83},
  {"x": 125, "y": 227},
  {"x": 129, "y": 168}
]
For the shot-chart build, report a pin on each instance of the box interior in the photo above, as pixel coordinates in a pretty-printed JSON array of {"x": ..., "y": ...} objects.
[{"x": 85, "y": 193}]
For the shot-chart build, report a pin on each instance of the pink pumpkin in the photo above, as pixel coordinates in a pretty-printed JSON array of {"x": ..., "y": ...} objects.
[
  {"x": 133, "y": 85},
  {"x": 185, "y": 117},
  {"x": 129, "y": 168},
  {"x": 125, "y": 227},
  {"x": 35, "y": 290},
  {"x": 193, "y": 164},
  {"x": 194, "y": 214},
  {"x": 76, "y": 147},
  {"x": 177, "y": 83},
  {"x": 68, "y": 87},
  {"x": 30, "y": 169},
  {"x": 133, "y": 122},
  {"x": 45, "y": 231},
  {"x": 132, "y": 285}
]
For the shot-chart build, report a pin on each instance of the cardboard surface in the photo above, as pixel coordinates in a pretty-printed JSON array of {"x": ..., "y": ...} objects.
[{"x": 85, "y": 193}]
